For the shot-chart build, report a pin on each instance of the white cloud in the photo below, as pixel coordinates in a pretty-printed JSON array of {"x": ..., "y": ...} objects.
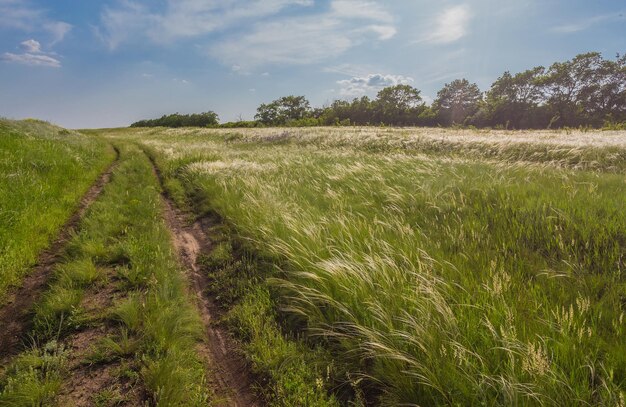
[
  {"x": 295, "y": 42},
  {"x": 58, "y": 30},
  {"x": 367, "y": 10},
  {"x": 31, "y": 59},
  {"x": 305, "y": 40},
  {"x": 22, "y": 15},
  {"x": 31, "y": 46},
  {"x": 15, "y": 14},
  {"x": 123, "y": 23},
  {"x": 385, "y": 32},
  {"x": 360, "y": 85},
  {"x": 133, "y": 20},
  {"x": 263, "y": 35},
  {"x": 585, "y": 24},
  {"x": 32, "y": 55},
  {"x": 450, "y": 26}
]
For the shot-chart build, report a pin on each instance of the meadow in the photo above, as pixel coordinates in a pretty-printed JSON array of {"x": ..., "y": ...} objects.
[
  {"x": 115, "y": 325},
  {"x": 44, "y": 171},
  {"x": 353, "y": 266},
  {"x": 422, "y": 267}
]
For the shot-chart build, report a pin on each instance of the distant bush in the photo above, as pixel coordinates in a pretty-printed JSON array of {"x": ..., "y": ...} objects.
[
  {"x": 181, "y": 120},
  {"x": 305, "y": 122},
  {"x": 248, "y": 124},
  {"x": 609, "y": 125}
]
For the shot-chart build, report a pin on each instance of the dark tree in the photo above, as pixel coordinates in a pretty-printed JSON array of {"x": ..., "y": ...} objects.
[
  {"x": 603, "y": 98},
  {"x": 398, "y": 105},
  {"x": 181, "y": 120},
  {"x": 457, "y": 101},
  {"x": 513, "y": 100},
  {"x": 284, "y": 110}
]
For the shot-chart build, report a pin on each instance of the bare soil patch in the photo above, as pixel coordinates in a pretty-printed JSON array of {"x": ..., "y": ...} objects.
[{"x": 88, "y": 381}]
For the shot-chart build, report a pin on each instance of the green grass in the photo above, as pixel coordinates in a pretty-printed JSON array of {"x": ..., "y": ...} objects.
[
  {"x": 44, "y": 171},
  {"x": 153, "y": 328},
  {"x": 34, "y": 377},
  {"x": 434, "y": 271},
  {"x": 291, "y": 373}
]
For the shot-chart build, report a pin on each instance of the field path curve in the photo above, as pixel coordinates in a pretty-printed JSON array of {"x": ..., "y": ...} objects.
[
  {"x": 15, "y": 313},
  {"x": 231, "y": 379}
]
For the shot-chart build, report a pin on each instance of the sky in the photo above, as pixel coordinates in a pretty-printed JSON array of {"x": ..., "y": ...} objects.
[{"x": 86, "y": 64}]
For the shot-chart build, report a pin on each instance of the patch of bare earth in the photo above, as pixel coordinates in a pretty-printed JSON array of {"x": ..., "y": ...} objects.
[
  {"x": 15, "y": 315},
  {"x": 89, "y": 380},
  {"x": 230, "y": 376}
]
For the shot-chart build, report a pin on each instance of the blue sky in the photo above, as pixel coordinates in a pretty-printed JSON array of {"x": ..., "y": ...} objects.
[{"x": 109, "y": 63}]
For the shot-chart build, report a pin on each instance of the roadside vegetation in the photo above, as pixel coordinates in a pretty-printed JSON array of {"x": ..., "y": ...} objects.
[
  {"x": 44, "y": 171},
  {"x": 420, "y": 269},
  {"x": 116, "y": 326}
]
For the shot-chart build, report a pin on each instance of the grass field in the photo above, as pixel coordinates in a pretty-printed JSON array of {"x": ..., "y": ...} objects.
[
  {"x": 44, "y": 171},
  {"x": 355, "y": 266},
  {"x": 116, "y": 317},
  {"x": 434, "y": 266}
]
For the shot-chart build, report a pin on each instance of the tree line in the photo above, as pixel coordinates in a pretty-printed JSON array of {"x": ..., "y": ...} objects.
[
  {"x": 587, "y": 90},
  {"x": 206, "y": 119}
]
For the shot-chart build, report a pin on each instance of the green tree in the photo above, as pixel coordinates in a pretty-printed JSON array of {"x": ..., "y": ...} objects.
[
  {"x": 457, "y": 101},
  {"x": 603, "y": 98},
  {"x": 566, "y": 83},
  {"x": 398, "y": 105},
  {"x": 513, "y": 100},
  {"x": 181, "y": 120},
  {"x": 283, "y": 110}
]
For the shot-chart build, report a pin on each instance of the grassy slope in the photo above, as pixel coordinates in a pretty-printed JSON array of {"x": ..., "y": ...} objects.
[
  {"x": 123, "y": 247},
  {"x": 44, "y": 171},
  {"x": 442, "y": 273}
]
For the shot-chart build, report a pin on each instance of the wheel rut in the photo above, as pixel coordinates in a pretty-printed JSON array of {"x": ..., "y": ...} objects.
[
  {"x": 15, "y": 314},
  {"x": 232, "y": 381}
]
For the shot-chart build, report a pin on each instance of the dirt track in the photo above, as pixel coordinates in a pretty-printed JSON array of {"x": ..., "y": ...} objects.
[
  {"x": 231, "y": 378},
  {"x": 15, "y": 318}
]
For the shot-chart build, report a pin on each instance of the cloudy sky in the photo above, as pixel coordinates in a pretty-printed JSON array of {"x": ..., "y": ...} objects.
[{"x": 109, "y": 63}]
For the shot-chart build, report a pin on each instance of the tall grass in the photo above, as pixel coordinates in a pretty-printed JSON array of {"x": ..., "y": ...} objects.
[
  {"x": 151, "y": 327},
  {"x": 454, "y": 272},
  {"x": 44, "y": 170}
]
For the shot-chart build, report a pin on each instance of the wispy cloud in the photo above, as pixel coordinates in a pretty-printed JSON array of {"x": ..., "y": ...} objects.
[
  {"x": 450, "y": 26},
  {"x": 31, "y": 46},
  {"x": 130, "y": 21},
  {"x": 58, "y": 30},
  {"x": 15, "y": 14},
  {"x": 295, "y": 42},
  {"x": 360, "y": 85},
  {"x": 253, "y": 33},
  {"x": 368, "y": 10},
  {"x": 308, "y": 39},
  {"x": 24, "y": 16},
  {"x": 587, "y": 23},
  {"x": 32, "y": 55}
]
